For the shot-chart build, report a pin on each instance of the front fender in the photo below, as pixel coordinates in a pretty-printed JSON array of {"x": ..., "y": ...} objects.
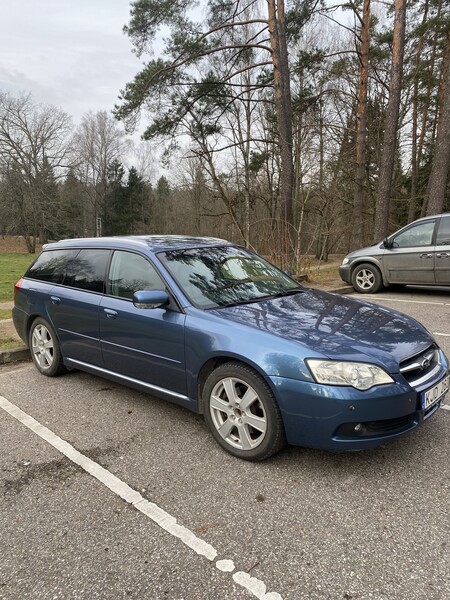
[{"x": 269, "y": 355}]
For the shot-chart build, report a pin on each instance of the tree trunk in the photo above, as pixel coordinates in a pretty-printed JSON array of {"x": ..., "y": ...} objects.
[
  {"x": 277, "y": 33},
  {"x": 437, "y": 184},
  {"x": 361, "y": 127},
  {"x": 415, "y": 148},
  {"x": 391, "y": 124}
]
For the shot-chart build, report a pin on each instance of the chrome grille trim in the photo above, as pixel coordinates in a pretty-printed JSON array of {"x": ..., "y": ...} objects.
[
  {"x": 421, "y": 367},
  {"x": 416, "y": 365},
  {"x": 425, "y": 378}
]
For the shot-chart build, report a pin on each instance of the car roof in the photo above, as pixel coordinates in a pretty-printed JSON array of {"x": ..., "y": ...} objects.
[
  {"x": 154, "y": 243},
  {"x": 426, "y": 218}
]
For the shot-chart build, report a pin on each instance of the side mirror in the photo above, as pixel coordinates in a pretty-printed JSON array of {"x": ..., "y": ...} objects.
[
  {"x": 387, "y": 243},
  {"x": 150, "y": 298}
]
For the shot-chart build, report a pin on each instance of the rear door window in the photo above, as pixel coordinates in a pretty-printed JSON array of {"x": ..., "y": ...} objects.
[
  {"x": 443, "y": 235},
  {"x": 87, "y": 270},
  {"x": 51, "y": 265},
  {"x": 131, "y": 272}
]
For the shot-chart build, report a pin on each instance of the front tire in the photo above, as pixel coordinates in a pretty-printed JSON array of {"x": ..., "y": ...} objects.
[
  {"x": 44, "y": 348},
  {"x": 366, "y": 279},
  {"x": 241, "y": 412}
]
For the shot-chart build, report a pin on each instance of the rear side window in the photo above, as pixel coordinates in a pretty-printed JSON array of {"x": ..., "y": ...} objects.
[
  {"x": 443, "y": 236},
  {"x": 51, "y": 265},
  {"x": 86, "y": 271},
  {"x": 131, "y": 272}
]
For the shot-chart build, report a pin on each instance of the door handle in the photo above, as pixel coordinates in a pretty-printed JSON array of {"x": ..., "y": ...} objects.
[
  {"x": 426, "y": 255},
  {"x": 110, "y": 314},
  {"x": 55, "y": 300},
  {"x": 442, "y": 254}
]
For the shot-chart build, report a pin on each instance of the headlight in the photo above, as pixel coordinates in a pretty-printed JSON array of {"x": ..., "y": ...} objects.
[
  {"x": 345, "y": 261},
  {"x": 361, "y": 376}
]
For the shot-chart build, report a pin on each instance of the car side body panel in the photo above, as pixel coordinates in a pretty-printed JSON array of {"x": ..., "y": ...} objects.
[{"x": 417, "y": 254}]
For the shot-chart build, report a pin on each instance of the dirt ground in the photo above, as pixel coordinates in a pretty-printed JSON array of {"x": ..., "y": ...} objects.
[{"x": 15, "y": 243}]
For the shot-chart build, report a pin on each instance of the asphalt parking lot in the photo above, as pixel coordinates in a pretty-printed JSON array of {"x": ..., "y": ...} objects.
[{"x": 108, "y": 493}]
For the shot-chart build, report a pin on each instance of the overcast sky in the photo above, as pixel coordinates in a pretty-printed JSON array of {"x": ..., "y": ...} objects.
[{"x": 69, "y": 53}]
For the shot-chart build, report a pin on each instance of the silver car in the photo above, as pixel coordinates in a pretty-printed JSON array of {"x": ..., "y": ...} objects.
[{"x": 417, "y": 254}]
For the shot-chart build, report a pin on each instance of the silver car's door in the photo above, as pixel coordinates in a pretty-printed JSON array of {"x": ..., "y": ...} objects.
[
  {"x": 442, "y": 252},
  {"x": 410, "y": 259}
]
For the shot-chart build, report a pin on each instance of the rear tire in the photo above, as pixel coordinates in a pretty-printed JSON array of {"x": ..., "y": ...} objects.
[
  {"x": 45, "y": 349},
  {"x": 242, "y": 413},
  {"x": 366, "y": 279}
]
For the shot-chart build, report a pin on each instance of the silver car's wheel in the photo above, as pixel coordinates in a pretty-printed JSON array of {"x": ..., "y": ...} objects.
[
  {"x": 242, "y": 413},
  {"x": 366, "y": 279},
  {"x": 44, "y": 349}
]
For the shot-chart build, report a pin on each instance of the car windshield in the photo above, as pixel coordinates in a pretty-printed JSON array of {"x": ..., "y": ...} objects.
[{"x": 225, "y": 276}]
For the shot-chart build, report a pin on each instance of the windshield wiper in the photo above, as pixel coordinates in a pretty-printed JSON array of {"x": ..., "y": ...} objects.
[
  {"x": 291, "y": 292},
  {"x": 281, "y": 294},
  {"x": 264, "y": 297}
]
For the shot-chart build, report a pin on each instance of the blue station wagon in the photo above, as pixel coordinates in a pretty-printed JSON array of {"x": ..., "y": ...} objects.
[{"x": 219, "y": 330}]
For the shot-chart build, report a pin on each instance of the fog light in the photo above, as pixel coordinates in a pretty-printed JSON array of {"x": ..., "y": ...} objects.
[{"x": 358, "y": 428}]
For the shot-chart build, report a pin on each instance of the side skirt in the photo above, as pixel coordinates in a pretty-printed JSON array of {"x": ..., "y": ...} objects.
[{"x": 137, "y": 384}]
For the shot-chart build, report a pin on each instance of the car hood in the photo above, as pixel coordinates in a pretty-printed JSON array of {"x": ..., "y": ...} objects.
[
  {"x": 335, "y": 326},
  {"x": 374, "y": 250}
]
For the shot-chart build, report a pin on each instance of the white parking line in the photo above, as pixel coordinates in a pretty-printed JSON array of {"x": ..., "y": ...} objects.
[
  {"x": 159, "y": 516},
  {"x": 377, "y": 297},
  {"x": 412, "y": 302}
]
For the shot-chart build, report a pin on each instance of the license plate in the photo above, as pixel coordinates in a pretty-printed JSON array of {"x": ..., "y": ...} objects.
[{"x": 436, "y": 393}]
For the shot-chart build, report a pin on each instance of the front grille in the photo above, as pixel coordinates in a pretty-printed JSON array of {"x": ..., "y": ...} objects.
[
  {"x": 388, "y": 425},
  {"x": 374, "y": 428},
  {"x": 419, "y": 368}
]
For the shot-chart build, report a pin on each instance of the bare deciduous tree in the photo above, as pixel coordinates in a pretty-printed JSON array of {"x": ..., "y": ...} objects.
[
  {"x": 98, "y": 142},
  {"x": 33, "y": 152}
]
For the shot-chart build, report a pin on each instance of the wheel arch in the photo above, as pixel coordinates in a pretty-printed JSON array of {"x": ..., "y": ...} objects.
[
  {"x": 32, "y": 318},
  {"x": 211, "y": 364},
  {"x": 372, "y": 261}
]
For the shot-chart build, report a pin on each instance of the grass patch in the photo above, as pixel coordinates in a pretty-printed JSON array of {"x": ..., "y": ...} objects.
[
  {"x": 324, "y": 274},
  {"x": 12, "y": 266},
  {"x": 10, "y": 343},
  {"x": 5, "y": 314}
]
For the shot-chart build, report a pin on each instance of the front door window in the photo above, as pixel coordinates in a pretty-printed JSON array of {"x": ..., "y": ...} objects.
[
  {"x": 131, "y": 272},
  {"x": 416, "y": 236}
]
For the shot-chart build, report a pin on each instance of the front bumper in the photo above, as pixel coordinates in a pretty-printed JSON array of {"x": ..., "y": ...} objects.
[
  {"x": 345, "y": 273},
  {"x": 343, "y": 418}
]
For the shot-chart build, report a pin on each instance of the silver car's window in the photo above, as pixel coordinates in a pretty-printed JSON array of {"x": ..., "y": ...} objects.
[
  {"x": 417, "y": 235},
  {"x": 443, "y": 236},
  {"x": 131, "y": 272}
]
